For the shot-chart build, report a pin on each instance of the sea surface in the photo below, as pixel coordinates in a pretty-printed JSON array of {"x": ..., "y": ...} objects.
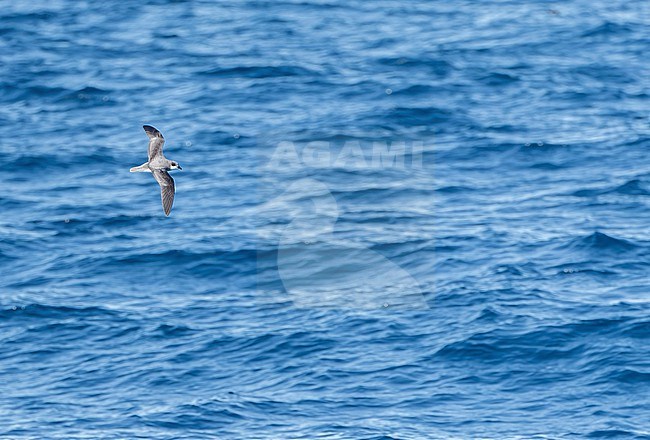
[{"x": 395, "y": 220}]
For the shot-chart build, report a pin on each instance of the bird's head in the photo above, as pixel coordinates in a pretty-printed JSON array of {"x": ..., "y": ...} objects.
[{"x": 175, "y": 166}]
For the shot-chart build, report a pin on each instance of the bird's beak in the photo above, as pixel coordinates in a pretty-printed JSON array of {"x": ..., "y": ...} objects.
[{"x": 180, "y": 168}]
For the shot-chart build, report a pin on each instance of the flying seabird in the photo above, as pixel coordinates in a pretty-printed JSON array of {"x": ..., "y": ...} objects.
[{"x": 159, "y": 166}]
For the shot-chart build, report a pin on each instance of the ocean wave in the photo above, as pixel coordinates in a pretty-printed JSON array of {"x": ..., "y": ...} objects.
[{"x": 523, "y": 231}]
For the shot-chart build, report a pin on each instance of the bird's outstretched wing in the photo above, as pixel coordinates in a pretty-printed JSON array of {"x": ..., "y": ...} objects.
[
  {"x": 167, "y": 189},
  {"x": 156, "y": 141}
]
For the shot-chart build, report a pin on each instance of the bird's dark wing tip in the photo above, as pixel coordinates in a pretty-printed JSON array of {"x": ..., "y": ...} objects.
[
  {"x": 167, "y": 203},
  {"x": 152, "y": 132}
]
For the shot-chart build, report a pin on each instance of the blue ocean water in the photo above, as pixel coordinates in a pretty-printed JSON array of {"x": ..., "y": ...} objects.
[{"x": 396, "y": 220}]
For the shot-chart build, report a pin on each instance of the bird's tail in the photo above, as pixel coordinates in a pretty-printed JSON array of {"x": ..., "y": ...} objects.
[{"x": 144, "y": 168}]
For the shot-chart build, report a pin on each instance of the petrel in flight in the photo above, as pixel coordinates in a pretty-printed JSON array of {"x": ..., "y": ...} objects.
[{"x": 159, "y": 166}]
